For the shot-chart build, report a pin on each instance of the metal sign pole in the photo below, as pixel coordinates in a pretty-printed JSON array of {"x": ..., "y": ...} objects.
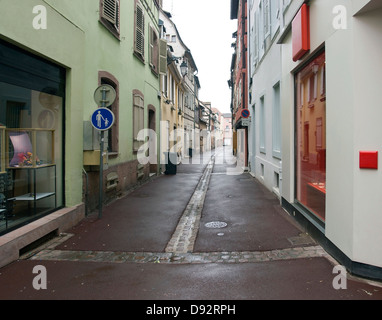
[
  {"x": 103, "y": 119},
  {"x": 101, "y": 176},
  {"x": 102, "y": 143}
]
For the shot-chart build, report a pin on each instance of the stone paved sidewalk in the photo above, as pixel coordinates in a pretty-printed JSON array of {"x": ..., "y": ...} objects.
[{"x": 180, "y": 258}]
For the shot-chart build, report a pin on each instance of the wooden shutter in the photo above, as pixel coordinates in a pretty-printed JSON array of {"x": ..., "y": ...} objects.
[
  {"x": 266, "y": 18},
  {"x": 138, "y": 119},
  {"x": 163, "y": 56},
  {"x": 153, "y": 49},
  {"x": 117, "y": 13},
  {"x": 109, "y": 11},
  {"x": 139, "y": 30}
]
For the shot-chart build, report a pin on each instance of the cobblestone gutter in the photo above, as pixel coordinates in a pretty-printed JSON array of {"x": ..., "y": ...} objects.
[
  {"x": 181, "y": 258},
  {"x": 184, "y": 237}
]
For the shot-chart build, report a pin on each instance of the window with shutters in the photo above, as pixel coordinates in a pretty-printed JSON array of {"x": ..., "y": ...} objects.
[
  {"x": 138, "y": 117},
  {"x": 275, "y": 14},
  {"x": 261, "y": 33},
  {"x": 266, "y": 19},
  {"x": 154, "y": 51},
  {"x": 256, "y": 36},
  {"x": 110, "y": 15},
  {"x": 162, "y": 57},
  {"x": 139, "y": 28}
]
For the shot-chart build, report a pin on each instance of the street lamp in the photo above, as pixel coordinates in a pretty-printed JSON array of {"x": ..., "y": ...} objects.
[{"x": 184, "y": 68}]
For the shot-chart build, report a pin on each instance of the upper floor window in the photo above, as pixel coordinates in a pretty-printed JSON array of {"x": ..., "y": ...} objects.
[
  {"x": 139, "y": 28},
  {"x": 110, "y": 15},
  {"x": 170, "y": 38},
  {"x": 138, "y": 118},
  {"x": 266, "y": 18},
  {"x": 154, "y": 50}
]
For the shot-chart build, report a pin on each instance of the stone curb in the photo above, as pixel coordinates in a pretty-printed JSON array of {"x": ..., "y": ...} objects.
[{"x": 181, "y": 258}]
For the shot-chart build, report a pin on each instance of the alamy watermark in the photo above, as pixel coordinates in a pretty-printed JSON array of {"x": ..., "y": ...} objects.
[
  {"x": 340, "y": 280},
  {"x": 340, "y": 20},
  {"x": 40, "y": 21},
  {"x": 176, "y": 146},
  {"x": 40, "y": 282}
]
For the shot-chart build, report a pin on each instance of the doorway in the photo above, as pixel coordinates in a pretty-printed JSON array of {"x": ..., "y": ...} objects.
[{"x": 152, "y": 127}]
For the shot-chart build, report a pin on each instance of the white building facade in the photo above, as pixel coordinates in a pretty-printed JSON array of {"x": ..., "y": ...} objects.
[
  {"x": 331, "y": 133},
  {"x": 264, "y": 63}
]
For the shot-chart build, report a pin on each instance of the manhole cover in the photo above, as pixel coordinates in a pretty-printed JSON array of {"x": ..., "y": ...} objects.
[{"x": 216, "y": 225}]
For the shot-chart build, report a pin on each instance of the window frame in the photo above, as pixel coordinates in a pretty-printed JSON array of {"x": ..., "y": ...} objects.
[
  {"x": 262, "y": 133},
  {"x": 140, "y": 117},
  {"x": 276, "y": 121},
  {"x": 154, "y": 50},
  {"x": 113, "y": 27},
  {"x": 266, "y": 18},
  {"x": 139, "y": 51},
  {"x": 310, "y": 166}
]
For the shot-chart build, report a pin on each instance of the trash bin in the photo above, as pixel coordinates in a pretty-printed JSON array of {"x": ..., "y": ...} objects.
[{"x": 171, "y": 162}]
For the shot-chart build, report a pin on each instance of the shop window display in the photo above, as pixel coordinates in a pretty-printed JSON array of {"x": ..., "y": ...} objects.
[
  {"x": 31, "y": 137},
  {"x": 311, "y": 137}
]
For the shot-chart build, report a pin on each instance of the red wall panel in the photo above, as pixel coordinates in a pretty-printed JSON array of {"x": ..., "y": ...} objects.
[
  {"x": 368, "y": 159},
  {"x": 301, "y": 33}
]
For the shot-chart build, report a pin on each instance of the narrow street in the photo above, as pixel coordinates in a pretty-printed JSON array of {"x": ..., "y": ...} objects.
[{"x": 185, "y": 237}]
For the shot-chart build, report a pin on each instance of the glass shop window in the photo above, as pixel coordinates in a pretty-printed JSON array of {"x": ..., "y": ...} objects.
[
  {"x": 311, "y": 137},
  {"x": 31, "y": 137}
]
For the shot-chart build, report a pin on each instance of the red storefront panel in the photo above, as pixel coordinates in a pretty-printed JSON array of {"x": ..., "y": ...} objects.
[{"x": 301, "y": 33}]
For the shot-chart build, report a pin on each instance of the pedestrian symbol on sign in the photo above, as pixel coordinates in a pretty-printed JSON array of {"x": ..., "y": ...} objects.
[
  {"x": 99, "y": 117},
  {"x": 102, "y": 119}
]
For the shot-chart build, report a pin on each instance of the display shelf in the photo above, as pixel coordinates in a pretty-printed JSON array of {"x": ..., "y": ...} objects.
[
  {"x": 33, "y": 196},
  {"x": 30, "y": 167},
  {"x": 27, "y": 151},
  {"x": 33, "y": 193},
  {"x": 318, "y": 186},
  {"x": 29, "y": 148}
]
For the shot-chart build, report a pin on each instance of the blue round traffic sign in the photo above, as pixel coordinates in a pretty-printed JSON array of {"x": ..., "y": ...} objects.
[
  {"x": 245, "y": 113},
  {"x": 103, "y": 119}
]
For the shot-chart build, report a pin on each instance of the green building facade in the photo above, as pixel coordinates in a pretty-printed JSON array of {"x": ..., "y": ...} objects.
[{"x": 53, "y": 56}]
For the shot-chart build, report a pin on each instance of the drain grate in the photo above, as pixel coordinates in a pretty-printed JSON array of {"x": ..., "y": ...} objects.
[{"x": 216, "y": 225}]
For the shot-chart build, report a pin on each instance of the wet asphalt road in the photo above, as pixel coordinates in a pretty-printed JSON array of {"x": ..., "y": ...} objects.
[{"x": 261, "y": 253}]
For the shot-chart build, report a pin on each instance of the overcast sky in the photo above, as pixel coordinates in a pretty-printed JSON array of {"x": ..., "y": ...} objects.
[{"x": 206, "y": 29}]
